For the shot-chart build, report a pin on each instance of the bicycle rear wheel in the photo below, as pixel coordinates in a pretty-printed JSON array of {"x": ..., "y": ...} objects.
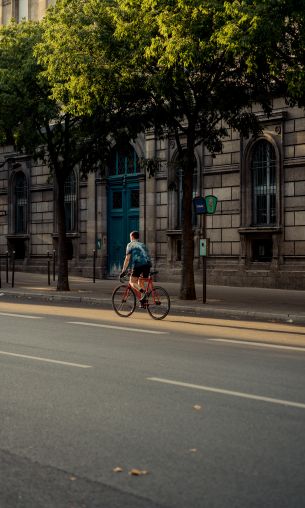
[
  {"x": 158, "y": 303},
  {"x": 123, "y": 300}
]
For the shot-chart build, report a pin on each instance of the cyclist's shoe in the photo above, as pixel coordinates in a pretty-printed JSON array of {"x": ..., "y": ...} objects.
[
  {"x": 143, "y": 297},
  {"x": 143, "y": 303}
]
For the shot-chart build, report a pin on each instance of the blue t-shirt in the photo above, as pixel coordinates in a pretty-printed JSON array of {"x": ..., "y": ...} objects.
[{"x": 139, "y": 254}]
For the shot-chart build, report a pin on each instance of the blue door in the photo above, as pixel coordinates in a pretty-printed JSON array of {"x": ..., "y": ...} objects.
[{"x": 123, "y": 206}]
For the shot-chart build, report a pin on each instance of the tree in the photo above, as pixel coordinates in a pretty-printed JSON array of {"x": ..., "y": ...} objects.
[
  {"x": 175, "y": 72},
  {"x": 36, "y": 123},
  {"x": 197, "y": 86}
]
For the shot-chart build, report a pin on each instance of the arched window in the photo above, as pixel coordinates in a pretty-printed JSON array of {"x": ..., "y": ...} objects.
[
  {"x": 21, "y": 203},
  {"x": 263, "y": 169},
  {"x": 70, "y": 202},
  {"x": 123, "y": 161}
]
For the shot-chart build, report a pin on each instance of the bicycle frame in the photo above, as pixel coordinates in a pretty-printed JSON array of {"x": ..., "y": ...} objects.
[
  {"x": 148, "y": 286},
  {"x": 156, "y": 301}
]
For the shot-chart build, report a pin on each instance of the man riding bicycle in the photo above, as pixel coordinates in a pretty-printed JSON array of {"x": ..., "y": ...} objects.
[{"x": 138, "y": 257}]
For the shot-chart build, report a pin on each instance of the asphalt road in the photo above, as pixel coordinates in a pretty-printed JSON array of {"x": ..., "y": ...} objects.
[{"x": 203, "y": 419}]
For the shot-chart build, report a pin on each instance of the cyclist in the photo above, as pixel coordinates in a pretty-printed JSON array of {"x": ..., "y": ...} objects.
[{"x": 138, "y": 257}]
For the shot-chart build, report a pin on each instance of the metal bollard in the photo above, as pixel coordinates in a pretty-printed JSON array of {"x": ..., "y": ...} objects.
[
  {"x": 13, "y": 268},
  {"x": 6, "y": 266},
  {"x": 54, "y": 263},
  {"x": 49, "y": 275},
  {"x": 94, "y": 263}
]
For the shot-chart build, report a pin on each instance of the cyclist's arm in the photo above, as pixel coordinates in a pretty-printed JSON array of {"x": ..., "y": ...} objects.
[{"x": 126, "y": 262}]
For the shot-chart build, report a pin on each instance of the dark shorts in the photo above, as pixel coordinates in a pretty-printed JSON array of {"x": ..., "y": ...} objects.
[{"x": 143, "y": 270}]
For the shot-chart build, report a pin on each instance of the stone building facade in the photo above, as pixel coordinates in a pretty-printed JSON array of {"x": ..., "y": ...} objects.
[
  {"x": 23, "y": 9},
  {"x": 256, "y": 236},
  {"x": 257, "y": 233}
]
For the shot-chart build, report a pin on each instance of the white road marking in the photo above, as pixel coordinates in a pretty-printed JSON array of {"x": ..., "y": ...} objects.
[
  {"x": 260, "y": 344},
  {"x": 140, "y": 330},
  {"x": 20, "y": 315},
  {"x": 228, "y": 392},
  {"x": 48, "y": 360}
]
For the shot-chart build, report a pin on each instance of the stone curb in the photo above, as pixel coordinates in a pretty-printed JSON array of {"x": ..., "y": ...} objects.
[{"x": 219, "y": 312}]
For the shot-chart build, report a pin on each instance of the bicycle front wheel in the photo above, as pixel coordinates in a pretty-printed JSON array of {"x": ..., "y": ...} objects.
[
  {"x": 158, "y": 303},
  {"x": 123, "y": 300}
]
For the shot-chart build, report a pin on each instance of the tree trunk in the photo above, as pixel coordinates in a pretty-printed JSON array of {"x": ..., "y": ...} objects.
[
  {"x": 63, "y": 269},
  {"x": 187, "y": 288}
]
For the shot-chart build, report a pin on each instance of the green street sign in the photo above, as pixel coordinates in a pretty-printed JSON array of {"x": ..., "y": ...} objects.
[{"x": 211, "y": 203}]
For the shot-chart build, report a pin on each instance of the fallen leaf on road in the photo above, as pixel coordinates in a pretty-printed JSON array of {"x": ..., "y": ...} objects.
[
  {"x": 138, "y": 472},
  {"x": 197, "y": 407},
  {"x": 117, "y": 469},
  {"x": 193, "y": 450},
  {"x": 72, "y": 478}
]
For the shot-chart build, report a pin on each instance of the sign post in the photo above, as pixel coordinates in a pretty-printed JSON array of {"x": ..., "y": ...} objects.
[
  {"x": 204, "y": 206},
  {"x": 203, "y": 252}
]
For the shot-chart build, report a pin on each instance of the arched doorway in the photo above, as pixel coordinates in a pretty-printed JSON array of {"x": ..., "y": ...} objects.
[{"x": 123, "y": 203}]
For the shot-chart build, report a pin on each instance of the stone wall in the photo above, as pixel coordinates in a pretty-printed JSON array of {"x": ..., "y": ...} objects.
[
  {"x": 294, "y": 188},
  {"x": 230, "y": 231},
  {"x": 33, "y": 9}
]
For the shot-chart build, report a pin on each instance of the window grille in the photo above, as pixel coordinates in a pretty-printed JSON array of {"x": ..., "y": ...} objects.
[
  {"x": 263, "y": 166},
  {"x": 70, "y": 203},
  {"x": 21, "y": 203},
  {"x": 262, "y": 250},
  {"x": 123, "y": 161}
]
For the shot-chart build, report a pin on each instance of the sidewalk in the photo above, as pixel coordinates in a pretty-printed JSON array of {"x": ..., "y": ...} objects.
[{"x": 222, "y": 301}]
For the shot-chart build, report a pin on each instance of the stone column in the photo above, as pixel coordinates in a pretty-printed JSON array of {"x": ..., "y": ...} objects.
[{"x": 7, "y": 12}]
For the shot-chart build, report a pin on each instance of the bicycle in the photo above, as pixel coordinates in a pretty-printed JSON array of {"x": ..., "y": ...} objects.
[{"x": 124, "y": 298}]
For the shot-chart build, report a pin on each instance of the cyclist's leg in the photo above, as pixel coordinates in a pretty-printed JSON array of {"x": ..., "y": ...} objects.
[
  {"x": 143, "y": 280},
  {"x": 134, "y": 278},
  {"x": 145, "y": 269}
]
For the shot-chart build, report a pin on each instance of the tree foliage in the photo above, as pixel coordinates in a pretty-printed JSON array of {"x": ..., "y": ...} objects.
[
  {"x": 36, "y": 123},
  {"x": 190, "y": 69},
  {"x": 197, "y": 87},
  {"x": 270, "y": 36},
  {"x": 164, "y": 63},
  {"x": 82, "y": 61}
]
